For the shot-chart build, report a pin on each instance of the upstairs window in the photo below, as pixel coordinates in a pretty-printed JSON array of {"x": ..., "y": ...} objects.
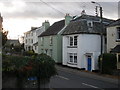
[
  {"x": 51, "y": 40},
  {"x": 42, "y": 40},
  {"x": 73, "y": 41},
  {"x": 118, "y": 32},
  {"x": 31, "y": 40},
  {"x": 90, "y": 24}
]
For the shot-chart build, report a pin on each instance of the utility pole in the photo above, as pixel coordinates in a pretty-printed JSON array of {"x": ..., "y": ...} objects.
[{"x": 101, "y": 22}]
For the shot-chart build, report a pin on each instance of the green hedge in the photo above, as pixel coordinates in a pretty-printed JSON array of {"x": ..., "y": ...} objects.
[{"x": 108, "y": 62}]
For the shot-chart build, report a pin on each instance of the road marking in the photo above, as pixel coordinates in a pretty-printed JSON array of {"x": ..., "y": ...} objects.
[
  {"x": 92, "y": 86},
  {"x": 62, "y": 77}
]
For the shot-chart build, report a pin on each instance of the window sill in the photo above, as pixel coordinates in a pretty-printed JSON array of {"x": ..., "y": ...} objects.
[
  {"x": 71, "y": 63},
  {"x": 71, "y": 46}
]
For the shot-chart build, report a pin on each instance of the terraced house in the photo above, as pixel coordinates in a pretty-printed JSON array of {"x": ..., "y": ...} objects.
[
  {"x": 113, "y": 40},
  {"x": 50, "y": 41},
  {"x": 31, "y": 37},
  {"x": 82, "y": 42}
]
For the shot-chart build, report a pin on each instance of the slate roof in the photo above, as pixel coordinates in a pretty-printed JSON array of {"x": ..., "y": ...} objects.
[
  {"x": 116, "y": 49},
  {"x": 117, "y": 22},
  {"x": 93, "y": 18},
  {"x": 79, "y": 25},
  {"x": 54, "y": 29}
]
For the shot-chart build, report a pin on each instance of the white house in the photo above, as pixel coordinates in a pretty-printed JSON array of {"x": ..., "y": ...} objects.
[
  {"x": 31, "y": 37},
  {"x": 113, "y": 40},
  {"x": 82, "y": 42}
]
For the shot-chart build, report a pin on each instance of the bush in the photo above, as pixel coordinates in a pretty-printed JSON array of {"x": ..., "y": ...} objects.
[
  {"x": 29, "y": 53},
  {"x": 109, "y": 63},
  {"x": 46, "y": 67}
]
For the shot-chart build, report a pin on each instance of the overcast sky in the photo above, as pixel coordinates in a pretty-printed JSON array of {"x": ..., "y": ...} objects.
[{"x": 19, "y": 15}]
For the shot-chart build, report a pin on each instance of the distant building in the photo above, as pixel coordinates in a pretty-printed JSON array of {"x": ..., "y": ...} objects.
[
  {"x": 113, "y": 40},
  {"x": 1, "y": 20},
  {"x": 14, "y": 42},
  {"x": 31, "y": 37}
]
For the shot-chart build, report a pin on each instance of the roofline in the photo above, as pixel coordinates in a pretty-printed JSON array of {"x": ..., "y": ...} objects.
[{"x": 81, "y": 33}]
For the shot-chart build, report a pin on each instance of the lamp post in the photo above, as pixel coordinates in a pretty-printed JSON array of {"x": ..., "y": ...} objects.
[{"x": 101, "y": 22}]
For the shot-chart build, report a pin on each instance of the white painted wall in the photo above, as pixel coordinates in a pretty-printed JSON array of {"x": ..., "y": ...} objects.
[{"x": 87, "y": 43}]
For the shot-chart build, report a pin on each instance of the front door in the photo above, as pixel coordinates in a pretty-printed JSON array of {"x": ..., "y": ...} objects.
[{"x": 89, "y": 63}]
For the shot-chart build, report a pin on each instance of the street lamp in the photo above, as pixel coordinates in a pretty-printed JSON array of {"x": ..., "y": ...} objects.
[{"x": 101, "y": 31}]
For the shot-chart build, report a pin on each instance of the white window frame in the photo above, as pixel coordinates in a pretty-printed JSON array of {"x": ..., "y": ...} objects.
[
  {"x": 51, "y": 40},
  {"x": 72, "y": 43},
  {"x": 71, "y": 58},
  {"x": 42, "y": 40}
]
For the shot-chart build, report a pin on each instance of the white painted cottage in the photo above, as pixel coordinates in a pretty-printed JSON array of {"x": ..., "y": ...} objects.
[
  {"x": 82, "y": 42},
  {"x": 31, "y": 37}
]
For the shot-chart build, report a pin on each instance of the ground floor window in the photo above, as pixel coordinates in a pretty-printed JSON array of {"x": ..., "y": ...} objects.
[{"x": 72, "y": 57}]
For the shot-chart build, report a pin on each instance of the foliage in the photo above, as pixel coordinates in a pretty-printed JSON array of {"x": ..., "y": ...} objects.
[
  {"x": 46, "y": 66},
  {"x": 109, "y": 63},
  {"x": 4, "y": 37},
  {"x": 41, "y": 66}
]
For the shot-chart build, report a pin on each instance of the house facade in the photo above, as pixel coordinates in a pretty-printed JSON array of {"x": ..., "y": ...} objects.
[
  {"x": 31, "y": 37},
  {"x": 50, "y": 41},
  {"x": 113, "y": 40},
  {"x": 82, "y": 42}
]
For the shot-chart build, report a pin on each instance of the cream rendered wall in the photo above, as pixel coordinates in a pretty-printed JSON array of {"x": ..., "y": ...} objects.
[{"x": 111, "y": 38}]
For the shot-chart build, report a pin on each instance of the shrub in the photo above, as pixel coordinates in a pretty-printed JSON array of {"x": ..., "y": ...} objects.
[
  {"x": 46, "y": 66},
  {"x": 109, "y": 63}
]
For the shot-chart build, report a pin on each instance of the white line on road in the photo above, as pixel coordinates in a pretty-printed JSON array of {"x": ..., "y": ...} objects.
[
  {"x": 62, "y": 77},
  {"x": 91, "y": 86}
]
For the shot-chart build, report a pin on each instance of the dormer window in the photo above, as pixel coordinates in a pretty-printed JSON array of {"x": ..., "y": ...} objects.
[{"x": 90, "y": 24}]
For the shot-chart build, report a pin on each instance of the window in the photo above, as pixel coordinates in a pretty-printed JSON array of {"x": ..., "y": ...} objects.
[
  {"x": 35, "y": 47},
  {"x": 118, "y": 32},
  {"x": 51, "y": 40},
  {"x": 73, "y": 58},
  {"x": 26, "y": 41},
  {"x": 42, "y": 40},
  {"x": 90, "y": 24},
  {"x": 73, "y": 41},
  {"x": 31, "y": 40},
  {"x": 50, "y": 52}
]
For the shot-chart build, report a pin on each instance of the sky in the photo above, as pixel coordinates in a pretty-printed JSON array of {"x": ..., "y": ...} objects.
[{"x": 20, "y": 15}]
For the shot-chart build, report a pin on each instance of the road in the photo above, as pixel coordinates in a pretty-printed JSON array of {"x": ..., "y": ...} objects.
[{"x": 68, "y": 78}]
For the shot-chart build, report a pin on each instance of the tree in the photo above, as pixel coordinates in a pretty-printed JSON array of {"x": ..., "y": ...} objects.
[{"x": 4, "y": 37}]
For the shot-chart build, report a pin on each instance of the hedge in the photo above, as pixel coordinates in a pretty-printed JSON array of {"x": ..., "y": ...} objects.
[{"x": 108, "y": 63}]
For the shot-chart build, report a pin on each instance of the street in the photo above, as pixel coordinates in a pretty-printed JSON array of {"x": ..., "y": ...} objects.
[{"x": 68, "y": 78}]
